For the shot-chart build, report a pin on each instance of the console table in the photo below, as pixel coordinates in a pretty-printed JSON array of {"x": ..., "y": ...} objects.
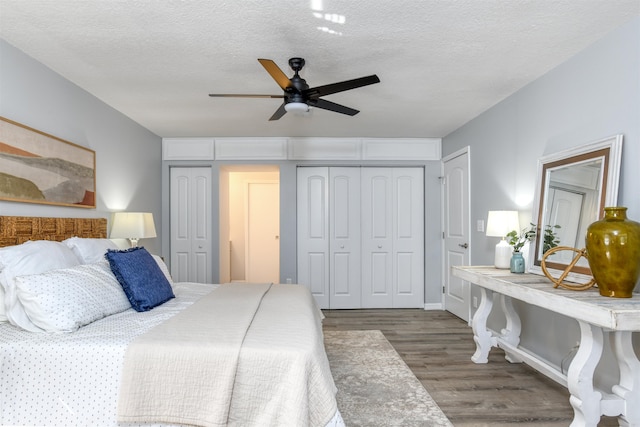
[{"x": 597, "y": 316}]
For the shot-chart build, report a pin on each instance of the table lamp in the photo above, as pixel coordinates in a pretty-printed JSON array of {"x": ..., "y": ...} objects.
[
  {"x": 133, "y": 226},
  {"x": 499, "y": 223}
]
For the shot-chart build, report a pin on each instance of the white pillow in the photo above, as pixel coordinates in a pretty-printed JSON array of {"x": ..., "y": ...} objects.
[
  {"x": 64, "y": 300},
  {"x": 89, "y": 250},
  {"x": 3, "y": 314},
  {"x": 164, "y": 268},
  {"x": 32, "y": 257}
]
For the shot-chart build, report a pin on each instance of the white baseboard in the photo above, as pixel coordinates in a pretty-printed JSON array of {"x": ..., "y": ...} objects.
[{"x": 433, "y": 306}]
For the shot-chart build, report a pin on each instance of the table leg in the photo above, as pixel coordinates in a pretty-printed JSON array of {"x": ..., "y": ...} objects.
[
  {"x": 481, "y": 335},
  {"x": 629, "y": 387},
  {"x": 511, "y": 332},
  {"x": 584, "y": 399}
]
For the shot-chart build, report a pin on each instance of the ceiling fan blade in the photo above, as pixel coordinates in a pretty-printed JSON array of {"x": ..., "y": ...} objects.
[
  {"x": 279, "y": 112},
  {"x": 318, "y": 91},
  {"x": 241, "y": 95},
  {"x": 332, "y": 106},
  {"x": 278, "y": 75}
]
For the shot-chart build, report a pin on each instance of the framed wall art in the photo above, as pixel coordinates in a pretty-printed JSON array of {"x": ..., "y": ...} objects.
[{"x": 36, "y": 167}]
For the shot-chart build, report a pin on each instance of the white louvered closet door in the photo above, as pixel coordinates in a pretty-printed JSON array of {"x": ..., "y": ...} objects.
[{"x": 190, "y": 224}]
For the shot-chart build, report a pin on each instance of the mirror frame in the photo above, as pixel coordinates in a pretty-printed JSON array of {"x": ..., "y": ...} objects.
[{"x": 610, "y": 151}]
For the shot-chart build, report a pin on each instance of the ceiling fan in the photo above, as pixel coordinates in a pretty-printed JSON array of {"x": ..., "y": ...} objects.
[{"x": 298, "y": 96}]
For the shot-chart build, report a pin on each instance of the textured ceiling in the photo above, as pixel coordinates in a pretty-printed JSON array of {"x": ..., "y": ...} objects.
[{"x": 440, "y": 62}]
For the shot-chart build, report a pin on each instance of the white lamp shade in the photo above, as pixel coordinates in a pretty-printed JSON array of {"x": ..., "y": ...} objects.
[
  {"x": 296, "y": 107},
  {"x": 499, "y": 223},
  {"x": 133, "y": 225}
]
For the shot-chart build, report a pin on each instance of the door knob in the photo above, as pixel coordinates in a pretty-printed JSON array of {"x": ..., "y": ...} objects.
[{"x": 466, "y": 245}]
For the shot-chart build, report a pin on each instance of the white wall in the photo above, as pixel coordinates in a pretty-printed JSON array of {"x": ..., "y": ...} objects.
[
  {"x": 595, "y": 94},
  {"x": 128, "y": 156}
]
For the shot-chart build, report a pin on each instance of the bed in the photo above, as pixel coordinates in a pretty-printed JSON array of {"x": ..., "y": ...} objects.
[{"x": 84, "y": 342}]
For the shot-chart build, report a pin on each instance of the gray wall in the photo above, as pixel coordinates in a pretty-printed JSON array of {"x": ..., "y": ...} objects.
[
  {"x": 128, "y": 156},
  {"x": 594, "y": 95}
]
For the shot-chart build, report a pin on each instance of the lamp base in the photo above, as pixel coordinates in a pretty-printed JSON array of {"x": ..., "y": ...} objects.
[{"x": 503, "y": 255}]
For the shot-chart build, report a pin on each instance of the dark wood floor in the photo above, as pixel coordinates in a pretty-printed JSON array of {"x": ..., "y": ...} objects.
[{"x": 437, "y": 346}]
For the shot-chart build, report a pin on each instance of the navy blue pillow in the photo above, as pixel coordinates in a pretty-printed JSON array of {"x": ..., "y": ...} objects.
[{"x": 141, "y": 278}]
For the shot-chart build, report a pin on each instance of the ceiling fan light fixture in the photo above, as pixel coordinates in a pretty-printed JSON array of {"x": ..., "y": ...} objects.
[{"x": 296, "y": 107}]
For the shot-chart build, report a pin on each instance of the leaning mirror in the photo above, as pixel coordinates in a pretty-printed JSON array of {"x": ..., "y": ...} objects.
[{"x": 572, "y": 189}]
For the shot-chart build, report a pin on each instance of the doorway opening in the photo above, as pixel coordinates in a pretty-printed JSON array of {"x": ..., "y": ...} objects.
[{"x": 250, "y": 223}]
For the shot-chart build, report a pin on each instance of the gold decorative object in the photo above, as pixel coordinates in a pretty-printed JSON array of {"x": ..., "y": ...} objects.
[
  {"x": 560, "y": 280},
  {"x": 613, "y": 244}
]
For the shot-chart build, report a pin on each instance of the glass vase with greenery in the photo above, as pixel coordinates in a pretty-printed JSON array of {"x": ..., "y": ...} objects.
[{"x": 549, "y": 238}]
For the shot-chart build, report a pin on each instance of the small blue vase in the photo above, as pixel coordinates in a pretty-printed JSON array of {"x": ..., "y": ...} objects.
[{"x": 517, "y": 263}]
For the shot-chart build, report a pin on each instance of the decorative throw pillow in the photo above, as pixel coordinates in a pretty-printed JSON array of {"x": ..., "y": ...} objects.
[
  {"x": 141, "y": 278},
  {"x": 64, "y": 300},
  {"x": 89, "y": 250},
  {"x": 32, "y": 257}
]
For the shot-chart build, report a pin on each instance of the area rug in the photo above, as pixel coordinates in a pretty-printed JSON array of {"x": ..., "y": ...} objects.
[{"x": 375, "y": 386}]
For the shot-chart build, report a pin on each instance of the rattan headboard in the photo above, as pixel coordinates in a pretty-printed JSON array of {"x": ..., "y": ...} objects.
[{"x": 15, "y": 230}]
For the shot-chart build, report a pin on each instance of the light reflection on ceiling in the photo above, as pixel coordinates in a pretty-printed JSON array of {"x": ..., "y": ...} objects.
[{"x": 334, "y": 18}]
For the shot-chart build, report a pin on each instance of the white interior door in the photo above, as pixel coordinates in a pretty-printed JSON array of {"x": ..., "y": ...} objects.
[
  {"x": 377, "y": 238},
  {"x": 313, "y": 231},
  {"x": 456, "y": 232},
  {"x": 392, "y": 237},
  {"x": 344, "y": 243},
  {"x": 361, "y": 236},
  {"x": 190, "y": 224},
  {"x": 408, "y": 238},
  {"x": 262, "y": 232}
]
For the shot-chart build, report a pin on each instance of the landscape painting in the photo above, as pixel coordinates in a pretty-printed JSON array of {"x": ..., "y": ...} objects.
[{"x": 39, "y": 168}]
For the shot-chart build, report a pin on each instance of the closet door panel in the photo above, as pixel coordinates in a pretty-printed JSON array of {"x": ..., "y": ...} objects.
[
  {"x": 404, "y": 278},
  {"x": 361, "y": 236},
  {"x": 180, "y": 224},
  {"x": 190, "y": 224},
  {"x": 201, "y": 225},
  {"x": 377, "y": 242},
  {"x": 408, "y": 238},
  {"x": 180, "y": 266},
  {"x": 341, "y": 284},
  {"x": 313, "y": 231},
  {"x": 344, "y": 244},
  {"x": 379, "y": 274}
]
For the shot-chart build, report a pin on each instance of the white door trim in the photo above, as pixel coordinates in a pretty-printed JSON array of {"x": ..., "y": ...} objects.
[{"x": 467, "y": 293}]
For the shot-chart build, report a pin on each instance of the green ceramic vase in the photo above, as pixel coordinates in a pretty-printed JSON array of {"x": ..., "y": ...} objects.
[
  {"x": 517, "y": 263},
  {"x": 613, "y": 251}
]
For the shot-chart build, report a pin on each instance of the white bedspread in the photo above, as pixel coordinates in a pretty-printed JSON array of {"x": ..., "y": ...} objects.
[
  {"x": 257, "y": 360},
  {"x": 74, "y": 379}
]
